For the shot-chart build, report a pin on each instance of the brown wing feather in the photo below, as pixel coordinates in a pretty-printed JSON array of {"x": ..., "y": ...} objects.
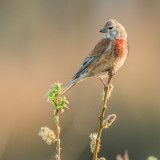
[
  {"x": 97, "y": 51},
  {"x": 99, "y": 48}
]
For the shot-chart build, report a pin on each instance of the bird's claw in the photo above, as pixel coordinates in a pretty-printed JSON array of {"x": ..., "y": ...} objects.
[{"x": 111, "y": 73}]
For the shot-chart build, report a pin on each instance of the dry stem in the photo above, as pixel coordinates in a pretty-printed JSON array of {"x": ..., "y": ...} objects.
[
  {"x": 100, "y": 128},
  {"x": 58, "y": 136}
]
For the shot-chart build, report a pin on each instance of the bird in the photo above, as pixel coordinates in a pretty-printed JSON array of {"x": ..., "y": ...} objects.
[{"x": 106, "y": 57}]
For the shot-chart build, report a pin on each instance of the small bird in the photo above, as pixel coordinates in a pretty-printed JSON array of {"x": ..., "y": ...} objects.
[{"x": 107, "y": 56}]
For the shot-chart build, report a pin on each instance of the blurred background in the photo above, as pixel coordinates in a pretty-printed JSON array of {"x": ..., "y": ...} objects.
[{"x": 44, "y": 41}]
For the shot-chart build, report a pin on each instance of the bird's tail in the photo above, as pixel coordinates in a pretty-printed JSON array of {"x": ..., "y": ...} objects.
[{"x": 69, "y": 85}]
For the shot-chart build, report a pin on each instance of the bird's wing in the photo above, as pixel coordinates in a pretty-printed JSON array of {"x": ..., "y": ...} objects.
[{"x": 97, "y": 51}]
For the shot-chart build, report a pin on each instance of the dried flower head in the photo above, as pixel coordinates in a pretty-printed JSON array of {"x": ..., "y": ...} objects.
[
  {"x": 109, "y": 92},
  {"x": 93, "y": 137},
  {"x": 109, "y": 120},
  {"x": 47, "y": 135}
]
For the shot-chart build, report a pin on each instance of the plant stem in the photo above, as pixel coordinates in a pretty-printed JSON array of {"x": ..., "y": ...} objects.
[
  {"x": 58, "y": 136},
  {"x": 100, "y": 128}
]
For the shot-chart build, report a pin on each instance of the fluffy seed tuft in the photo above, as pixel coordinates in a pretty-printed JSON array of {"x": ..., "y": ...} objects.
[
  {"x": 47, "y": 135},
  {"x": 109, "y": 120},
  {"x": 93, "y": 137}
]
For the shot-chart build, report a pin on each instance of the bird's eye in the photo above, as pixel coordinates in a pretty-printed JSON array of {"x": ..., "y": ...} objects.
[{"x": 110, "y": 28}]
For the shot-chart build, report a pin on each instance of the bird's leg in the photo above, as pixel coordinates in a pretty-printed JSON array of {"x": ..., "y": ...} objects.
[{"x": 102, "y": 81}]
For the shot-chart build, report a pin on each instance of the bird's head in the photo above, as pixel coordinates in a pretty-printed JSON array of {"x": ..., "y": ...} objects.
[{"x": 112, "y": 29}]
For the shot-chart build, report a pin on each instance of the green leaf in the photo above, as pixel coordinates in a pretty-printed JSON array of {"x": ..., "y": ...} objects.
[
  {"x": 55, "y": 103},
  {"x": 55, "y": 96}
]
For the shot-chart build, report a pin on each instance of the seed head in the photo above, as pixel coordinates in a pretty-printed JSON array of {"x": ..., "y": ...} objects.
[
  {"x": 93, "y": 137},
  {"x": 47, "y": 135},
  {"x": 109, "y": 120}
]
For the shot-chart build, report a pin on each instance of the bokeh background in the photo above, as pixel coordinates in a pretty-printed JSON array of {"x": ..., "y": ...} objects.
[{"x": 44, "y": 41}]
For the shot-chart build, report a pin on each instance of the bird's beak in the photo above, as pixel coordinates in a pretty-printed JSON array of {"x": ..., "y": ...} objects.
[{"x": 103, "y": 30}]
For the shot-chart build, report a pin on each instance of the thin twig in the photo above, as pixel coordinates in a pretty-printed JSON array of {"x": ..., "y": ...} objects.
[
  {"x": 100, "y": 128},
  {"x": 58, "y": 136}
]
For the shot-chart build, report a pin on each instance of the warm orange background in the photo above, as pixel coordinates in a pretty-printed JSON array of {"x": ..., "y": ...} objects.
[{"x": 46, "y": 41}]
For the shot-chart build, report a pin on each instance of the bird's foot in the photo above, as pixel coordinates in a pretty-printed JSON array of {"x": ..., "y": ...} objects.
[{"x": 111, "y": 72}]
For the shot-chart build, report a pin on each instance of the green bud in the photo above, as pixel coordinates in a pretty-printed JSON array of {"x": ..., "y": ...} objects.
[
  {"x": 56, "y": 119},
  {"x": 58, "y": 141},
  {"x": 56, "y": 156},
  {"x": 59, "y": 107},
  {"x": 62, "y": 110}
]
